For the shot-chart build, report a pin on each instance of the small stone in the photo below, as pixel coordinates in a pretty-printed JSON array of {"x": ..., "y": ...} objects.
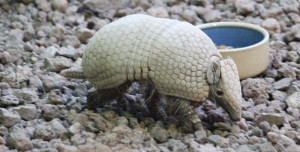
[
  {"x": 218, "y": 140},
  {"x": 67, "y": 148},
  {"x": 76, "y": 128},
  {"x": 78, "y": 139},
  {"x": 50, "y": 111},
  {"x": 2, "y": 141},
  {"x": 101, "y": 147},
  {"x": 84, "y": 34},
  {"x": 244, "y": 148},
  {"x": 212, "y": 16},
  {"x": 100, "y": 122},
  {"x": 190, "y": 16},
  {"x": 292, "y": 56},
  {"x": 282, "y": 84},
  {"x": 104, "y": 5},
  {"x": 20, "y": 141},
  {"x": 176, "y": 145},
  {"x": 5, "y": 58},
  {"x": 3, "y": 148},
  {"x": 277, "y": 119},
  {"x": 60, "y": 5},
  {"x": 292, "y": 148},
  {"x": 266, "y": 147},
  {"x": 29, "y": 32},
  {"x": 244, "y": 6},
  {"x": 200, "y": 136},
  {"x": 109, "y": 115},
  {"x": 122, "y": 130},
  {"x": 286, "y": 71},
  {"x": 253, "y": 140},
  {"x": 158, "y": 133},
  {"x": 293, "y": 100},
  {"x": 58, "y": 127},
  {"x": 26, "y": 95},
  {"x": 278, "y": 138},
  {"x": 279, "y": 95},
  {"x": 44, "y": 5},
  {"x": 133, "y": 122},
  {"x": 158, "y": 12},
  {"x": 121, "y": 121},
  {"x": 86, "y": 148},
  {"x": 54, "y": 98},
  {"x": 248, "y": 115},
  {"x": 27, "y": 112},
  {"x": 50, "y": 52},
  {"x": 71, "y": 40},
  {"x": 44, "y": 131},
  {"x": 271, "y": 25},
  {"x": 255, "y": 89},
  {"x": 7, "y": 118},
  {"x": 58, "y": 63},
  {"x": 9, "y": 100}
]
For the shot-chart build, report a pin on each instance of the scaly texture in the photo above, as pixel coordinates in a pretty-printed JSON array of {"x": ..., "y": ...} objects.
[
  {"x": 231, "y": 83},
  {"x": 173, "y": 55}
]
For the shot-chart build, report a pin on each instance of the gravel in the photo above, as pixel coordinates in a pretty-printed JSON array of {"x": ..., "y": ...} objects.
[{"x": 43, "y": 111}]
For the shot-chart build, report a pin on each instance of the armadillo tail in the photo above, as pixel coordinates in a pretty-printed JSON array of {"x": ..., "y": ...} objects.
[{"x": 76, "y": 73}]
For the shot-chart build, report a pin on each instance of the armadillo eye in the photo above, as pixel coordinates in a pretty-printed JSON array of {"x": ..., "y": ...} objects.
[{"x": 219, "y": 92}]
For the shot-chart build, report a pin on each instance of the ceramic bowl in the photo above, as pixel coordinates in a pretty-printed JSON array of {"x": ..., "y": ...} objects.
[{"x": 249, "y": 45}]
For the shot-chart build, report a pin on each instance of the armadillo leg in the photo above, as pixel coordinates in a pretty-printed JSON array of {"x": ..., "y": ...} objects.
[
  {"x": 183, "y": 109},
  {"x": 154, "y": 102},
  {"x": 100, "y": 97}
]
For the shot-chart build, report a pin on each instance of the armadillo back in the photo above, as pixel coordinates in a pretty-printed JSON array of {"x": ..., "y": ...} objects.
[{"x": 172, "y": 54}]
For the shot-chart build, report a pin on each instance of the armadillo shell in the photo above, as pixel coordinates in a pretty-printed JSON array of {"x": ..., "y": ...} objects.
[{"x": 171, "y": 54}]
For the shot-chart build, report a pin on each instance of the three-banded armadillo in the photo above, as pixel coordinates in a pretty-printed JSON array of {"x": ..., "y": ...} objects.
[{"x": 177, "y": 58}]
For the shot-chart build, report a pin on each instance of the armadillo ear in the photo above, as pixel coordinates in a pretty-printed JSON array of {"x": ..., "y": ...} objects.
[{"x": 213, "y": 70}]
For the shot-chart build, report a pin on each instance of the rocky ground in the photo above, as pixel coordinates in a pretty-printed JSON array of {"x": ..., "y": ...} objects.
[{"x": 43, "y": 111}]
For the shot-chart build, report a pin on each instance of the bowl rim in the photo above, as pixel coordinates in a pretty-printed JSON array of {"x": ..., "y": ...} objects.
[{"x": 238, "y": 24}]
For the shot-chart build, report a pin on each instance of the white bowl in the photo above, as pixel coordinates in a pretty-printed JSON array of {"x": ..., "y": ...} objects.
[{"x": 250, "y": 45}]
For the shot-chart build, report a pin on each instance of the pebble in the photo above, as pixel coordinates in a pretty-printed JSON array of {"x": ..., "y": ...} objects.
[
  {"x": 76, "y": 128},
  {"x": 256, "y": 89},
  {"x": 266, "y": 147},
  {"x": 67, "y": 148},
  {"x": 60, "y": 5},
  {"x": 9, "y": 100},
  {"x": 282, "y": 84},
  {"x": 27, "y": 112},
  {"x": 271, "y": 25},
  {"x": 176, "y": 145},
  {"x": 84, "y": 34},
  {"x": 244, "y": 6},
  {"x": 20, "y": 141},
  {"x": 58, "y": 128},
  {"x": 277, "y": 119},
  {"x": 218, "y": 140},
  {"x": 212, "y": 16},
  {"x": 293, "y": 100},
  {"x": 8, "y": 118},
  {"x": 158, "y": 12},
  {"x": 158, "y": 133},
  {"x": 50, "y": 111},
  {"x": 278, "y": 138}
]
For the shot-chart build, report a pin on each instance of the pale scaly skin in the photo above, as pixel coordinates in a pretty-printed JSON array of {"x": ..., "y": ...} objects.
[
  {"x": 170, "y": 54},
  {"x": 231, "y": 83}
]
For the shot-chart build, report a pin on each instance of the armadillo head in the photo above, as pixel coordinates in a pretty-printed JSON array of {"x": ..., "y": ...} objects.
[{"x": 225, "y": 87}]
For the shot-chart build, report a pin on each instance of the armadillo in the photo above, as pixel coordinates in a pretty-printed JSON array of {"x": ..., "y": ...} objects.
[{"x": 177, "y": 58}]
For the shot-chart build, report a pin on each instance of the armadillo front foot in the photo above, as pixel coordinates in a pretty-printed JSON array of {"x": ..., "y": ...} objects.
[{"x": 185, "y": 112}]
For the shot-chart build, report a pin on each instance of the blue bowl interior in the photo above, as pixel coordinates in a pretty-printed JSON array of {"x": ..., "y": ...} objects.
[{"x": 235, "y": 37}]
